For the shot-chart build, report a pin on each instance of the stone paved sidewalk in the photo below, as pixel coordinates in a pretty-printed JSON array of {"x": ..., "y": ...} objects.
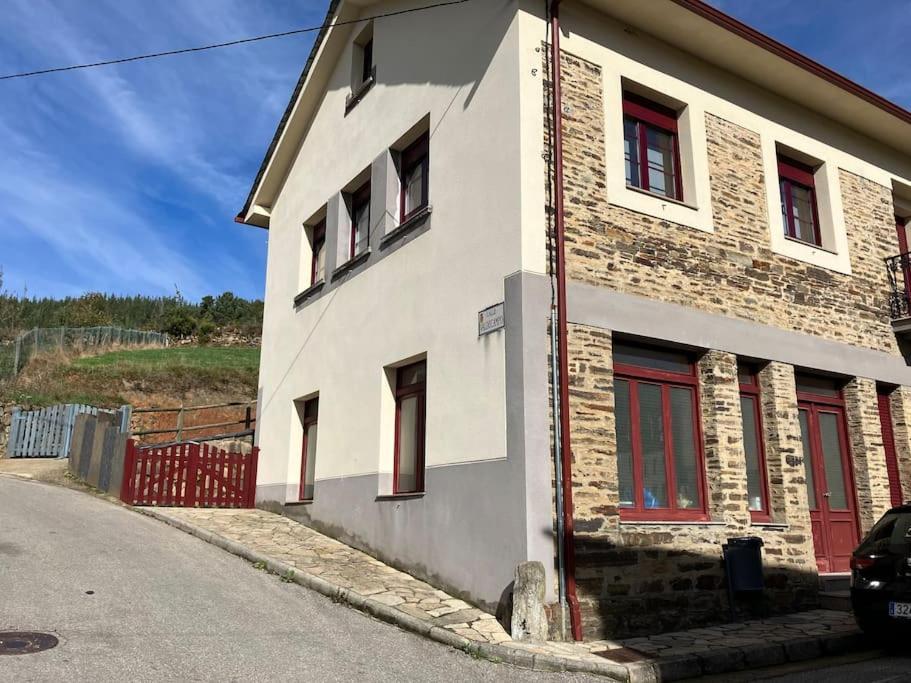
[{"x": 351, "y": 576}]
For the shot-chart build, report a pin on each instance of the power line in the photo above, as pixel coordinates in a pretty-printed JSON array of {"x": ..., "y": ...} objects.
[{"x": 230, "y": 43}]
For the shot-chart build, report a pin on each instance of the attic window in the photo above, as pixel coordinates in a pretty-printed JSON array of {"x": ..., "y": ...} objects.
[
  {"x": 363, "y": 69},
  {"x": 367, "y": 61}
]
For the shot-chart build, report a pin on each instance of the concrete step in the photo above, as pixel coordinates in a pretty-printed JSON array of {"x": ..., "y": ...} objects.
[
  {"x": 835, "y": 600},
  {"x": 835, "y": 582}
]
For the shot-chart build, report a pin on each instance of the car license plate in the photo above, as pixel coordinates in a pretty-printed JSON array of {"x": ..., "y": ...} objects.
[{"x": 901, "y": 610}]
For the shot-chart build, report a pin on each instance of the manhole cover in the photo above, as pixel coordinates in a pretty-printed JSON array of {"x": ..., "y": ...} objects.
[{"x": 25, "y": 642}]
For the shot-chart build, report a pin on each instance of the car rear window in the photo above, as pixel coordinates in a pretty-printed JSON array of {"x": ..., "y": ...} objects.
[{"x": 889, "y": 535}]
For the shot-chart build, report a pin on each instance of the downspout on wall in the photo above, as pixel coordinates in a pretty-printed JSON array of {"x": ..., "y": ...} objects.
[{"x": 564, "y": 456}]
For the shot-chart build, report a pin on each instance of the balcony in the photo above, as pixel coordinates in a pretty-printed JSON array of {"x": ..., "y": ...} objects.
[{"x": 899, "y": 269}]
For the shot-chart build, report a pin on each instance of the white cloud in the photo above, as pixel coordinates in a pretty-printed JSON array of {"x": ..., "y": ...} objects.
[
  {"x": 96, "y": 157},
  {"x": 96, "y": 233}
]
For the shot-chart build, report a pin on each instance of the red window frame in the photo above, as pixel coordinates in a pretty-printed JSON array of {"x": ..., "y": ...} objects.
[
  {"x": 318, "y": 242},
  {"x": 359, "y": 199},
  {"x": 403, "y": 392},
  {"x": 647, "y": 114},
  {"x": 311, "y": 417},
  {"x": 751, "y": 388},
  {"x": 884, "y": 403},
  {"x": 635, "y": 374},
  {"x": 415, "y": 155},
  {"x": 795, "y": 174},
  {"x": 828, "y": 390}
]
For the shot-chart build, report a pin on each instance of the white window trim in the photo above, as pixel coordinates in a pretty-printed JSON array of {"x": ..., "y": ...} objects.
[
  {"x": 833, "y": 255},
  {"x": 695, "y": 211}
]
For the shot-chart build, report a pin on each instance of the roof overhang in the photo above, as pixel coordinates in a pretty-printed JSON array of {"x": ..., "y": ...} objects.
[
  {"x": 709, "y": 34},
  {"x": 293, "y": 124}
]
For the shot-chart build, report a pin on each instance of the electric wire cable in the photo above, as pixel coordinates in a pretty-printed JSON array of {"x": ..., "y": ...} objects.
[{"x": 230, "y": 43}]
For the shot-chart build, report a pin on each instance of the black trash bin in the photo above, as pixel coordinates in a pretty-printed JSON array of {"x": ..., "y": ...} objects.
[
  {"x": 743, "y": 566},
  {"x": 743, "y": 563}
]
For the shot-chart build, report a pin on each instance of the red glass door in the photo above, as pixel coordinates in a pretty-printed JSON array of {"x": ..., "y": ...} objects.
[{"x": 830, "y": 485}]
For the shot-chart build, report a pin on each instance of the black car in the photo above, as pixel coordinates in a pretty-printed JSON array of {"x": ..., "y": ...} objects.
[{"x": 881, "y": 575}]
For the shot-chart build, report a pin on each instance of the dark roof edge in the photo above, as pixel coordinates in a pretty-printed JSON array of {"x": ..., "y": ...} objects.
[
  {"x": 317, "y": 44},
  {"x": 768, "y": 43}
]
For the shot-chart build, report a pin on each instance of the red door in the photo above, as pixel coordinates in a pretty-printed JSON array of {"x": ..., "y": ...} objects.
[
  {"x": 885, "y": 419},
  {"x": 830, "y": 485}
]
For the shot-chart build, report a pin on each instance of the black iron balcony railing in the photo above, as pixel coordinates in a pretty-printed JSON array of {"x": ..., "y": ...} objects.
[{"x": 899, "y": 269}]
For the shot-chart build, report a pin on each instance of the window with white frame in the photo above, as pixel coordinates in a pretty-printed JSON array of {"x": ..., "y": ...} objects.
[
  {"x": 804, "y": 200},
  {"x": 656, "y": 151}
]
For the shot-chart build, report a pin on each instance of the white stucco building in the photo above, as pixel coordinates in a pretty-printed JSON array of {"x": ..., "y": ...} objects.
[{"x": 405, "y": 192}]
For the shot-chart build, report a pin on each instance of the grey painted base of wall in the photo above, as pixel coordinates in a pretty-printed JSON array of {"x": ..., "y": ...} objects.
[{"x": 463, "y": 535}]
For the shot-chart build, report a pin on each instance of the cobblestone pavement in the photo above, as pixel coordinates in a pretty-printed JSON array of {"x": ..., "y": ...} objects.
[
  {"x": 421, "y": 607},
  {"x": 312, "y": 552}
]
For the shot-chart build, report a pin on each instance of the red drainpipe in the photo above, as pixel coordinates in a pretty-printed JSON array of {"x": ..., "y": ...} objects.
[{"x": 569, "y": 548}]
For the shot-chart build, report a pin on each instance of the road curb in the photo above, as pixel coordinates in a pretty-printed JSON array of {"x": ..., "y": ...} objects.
[
  {"x": 715, "y": 661},
  {"x": 490, "y": 651}
]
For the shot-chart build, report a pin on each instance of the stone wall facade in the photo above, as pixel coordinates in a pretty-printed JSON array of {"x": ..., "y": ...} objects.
[
  {"x": 900, "y": 404},
  {"x": 636, "y": 577},
  {"x": 868, "y": 456},
  {"x": 732, "y": 271},
  {"x": 6, "y": 420}
]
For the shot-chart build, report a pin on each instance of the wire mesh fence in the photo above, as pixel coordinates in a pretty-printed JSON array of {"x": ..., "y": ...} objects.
[
  {"x": 7, "y": 357},
  {"x": 16, "y": 354}
]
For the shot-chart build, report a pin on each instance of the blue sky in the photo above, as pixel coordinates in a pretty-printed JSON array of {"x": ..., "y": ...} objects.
[{"x": 126, "y": 179}]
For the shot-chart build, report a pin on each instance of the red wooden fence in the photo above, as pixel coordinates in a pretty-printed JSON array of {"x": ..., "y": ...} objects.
[{"x": 188, "y": 475}]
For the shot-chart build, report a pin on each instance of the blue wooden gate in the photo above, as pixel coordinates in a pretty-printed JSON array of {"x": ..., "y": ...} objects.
[{"x": 44, "y": 433}]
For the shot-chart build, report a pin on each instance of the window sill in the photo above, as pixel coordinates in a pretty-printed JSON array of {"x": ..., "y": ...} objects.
[
  {"x": 310, "y": 291},
  {"x": 771, "y": 525},
  {"x": 351, "y": 263},
  {"x": 661, "y": 197},
  {"x": 299, "y": 503},
  {"x": 810, "y": 245},
  {"x": 412, "y": 223},
  {"x": 401, "y": 496},
  {"x": 358, "y": 94},
  {"x": 669, "y": 522}
]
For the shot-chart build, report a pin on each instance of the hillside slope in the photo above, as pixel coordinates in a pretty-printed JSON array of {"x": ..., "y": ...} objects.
[{"x": 142, "y": 377}]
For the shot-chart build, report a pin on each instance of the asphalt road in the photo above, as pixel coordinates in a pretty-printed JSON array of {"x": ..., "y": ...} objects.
[
  {"x": 857, "y": 667},
  {"x": 135, "y": 600},
  {"x": 887, "y": 669}
]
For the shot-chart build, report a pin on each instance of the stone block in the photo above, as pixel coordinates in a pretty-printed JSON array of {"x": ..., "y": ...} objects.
[
  {"x": 529, "y": 620},
  {"x": 721, "y": 660},
  {"x": 802, "y": 648},
  {"x": 767, "y": 654}
]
